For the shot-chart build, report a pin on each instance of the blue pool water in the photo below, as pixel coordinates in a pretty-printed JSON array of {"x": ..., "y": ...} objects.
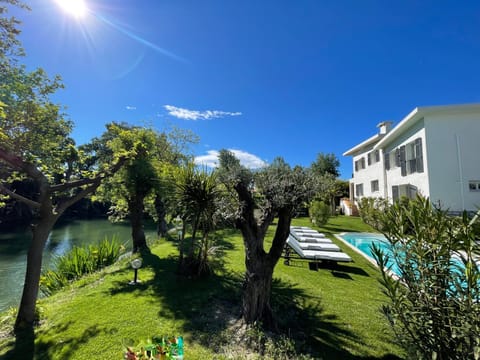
[{"x": 364, "y": 241}]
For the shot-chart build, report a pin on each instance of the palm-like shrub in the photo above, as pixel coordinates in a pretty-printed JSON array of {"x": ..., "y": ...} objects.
[{"x": 197, "y": 192}]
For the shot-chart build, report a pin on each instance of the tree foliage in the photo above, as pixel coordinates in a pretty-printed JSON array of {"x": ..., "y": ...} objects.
[
  {"x": 319, "y": 212},
  {"x": 35, "y": 145},
  {"x": 435, "y": 303},
  {"x": 197, "y": 193},
  {"x": 326, "y": 164}
]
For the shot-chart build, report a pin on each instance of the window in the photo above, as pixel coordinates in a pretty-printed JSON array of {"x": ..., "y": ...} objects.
[
  {"x": 359, "y": 189},
  {"x": 405, "y": 190},
  {"x": 408, "y": 157},
  {"x": 374, "y": 186},
  {"x": 373, "y": 157},
  {"x": 360, "y": 164},
  {"x": 397, "y": 157},
  {"x": 395, "y": 195},
  {"x": 387, "y": 161},
  {"x": 474, "y": 185}
]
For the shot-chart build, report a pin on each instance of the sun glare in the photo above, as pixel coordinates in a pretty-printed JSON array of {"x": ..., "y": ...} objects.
[{"x": 76, "y": 8}]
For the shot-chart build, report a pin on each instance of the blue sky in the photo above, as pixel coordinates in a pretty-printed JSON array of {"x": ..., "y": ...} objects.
[{"x": 266, "y": 78}]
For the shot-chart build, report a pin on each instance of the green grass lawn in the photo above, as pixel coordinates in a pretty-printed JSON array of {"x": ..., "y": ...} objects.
[{"x": 331, "y": 313}]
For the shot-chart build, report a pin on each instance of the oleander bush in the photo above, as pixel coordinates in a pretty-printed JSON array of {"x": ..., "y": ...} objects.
[{"x": 434, "y": 305}]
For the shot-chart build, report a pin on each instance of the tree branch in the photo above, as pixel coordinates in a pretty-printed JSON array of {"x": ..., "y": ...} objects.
[
  {"x": 62, "y": 206},
  {"x": 73, "y": 184},
  {"x": 281, "y": 235},
  {"x": 18, "y": 197},
  {"x": 17, "y": 163}
]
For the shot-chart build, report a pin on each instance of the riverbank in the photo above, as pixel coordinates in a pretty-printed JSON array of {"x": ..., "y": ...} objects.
[
  {"x": 65, "y": 235},
  {"x": 332, "y": 314}
]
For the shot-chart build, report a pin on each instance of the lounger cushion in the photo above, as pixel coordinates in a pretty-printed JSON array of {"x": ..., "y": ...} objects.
[{"x": 317, "y": 254}]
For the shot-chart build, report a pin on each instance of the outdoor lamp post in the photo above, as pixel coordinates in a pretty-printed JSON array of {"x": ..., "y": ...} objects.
[{"x": 136, "y": 264}]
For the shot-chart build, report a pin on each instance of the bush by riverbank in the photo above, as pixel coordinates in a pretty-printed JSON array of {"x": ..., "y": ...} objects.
[{"x": 329, "y": 313}]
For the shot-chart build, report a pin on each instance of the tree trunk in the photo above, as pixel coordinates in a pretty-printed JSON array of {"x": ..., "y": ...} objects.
[
  {"x": 257, "y": 288},
  {"x": 26, "y": 312},
  {"x": 161, "y": 213},
  {"x": 135, "y": 208}
]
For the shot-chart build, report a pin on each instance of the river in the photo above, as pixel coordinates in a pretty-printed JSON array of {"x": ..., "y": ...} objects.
[{"x": 14, "y": 246}]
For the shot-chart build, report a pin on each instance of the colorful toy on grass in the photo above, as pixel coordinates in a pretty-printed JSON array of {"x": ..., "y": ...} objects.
[{"x": 160, "y": 347}]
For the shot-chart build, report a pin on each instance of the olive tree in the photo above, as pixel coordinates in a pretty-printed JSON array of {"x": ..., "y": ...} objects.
[{"x": 274, "y": 191}]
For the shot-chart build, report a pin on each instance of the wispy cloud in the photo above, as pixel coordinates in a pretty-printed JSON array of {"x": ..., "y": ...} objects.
[
  {"x": 246, "y": 159},
  {"x": 130, "y": 107},
  {"x": 187, "y": 114}
]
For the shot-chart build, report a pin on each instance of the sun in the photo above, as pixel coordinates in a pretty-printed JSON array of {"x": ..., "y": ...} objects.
[{"x": 76, "y": 8}]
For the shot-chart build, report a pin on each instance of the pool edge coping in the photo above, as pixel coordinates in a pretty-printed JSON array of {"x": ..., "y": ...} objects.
[{"x": 358, "y": 251}]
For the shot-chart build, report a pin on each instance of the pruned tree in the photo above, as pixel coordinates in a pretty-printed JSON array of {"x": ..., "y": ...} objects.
[
  {"x": 136, "y": 183},
  {"x": 275, "y": 191}
]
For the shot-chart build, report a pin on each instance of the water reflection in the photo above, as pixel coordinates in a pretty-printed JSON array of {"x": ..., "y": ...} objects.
[{"x": 14, "y": 247}]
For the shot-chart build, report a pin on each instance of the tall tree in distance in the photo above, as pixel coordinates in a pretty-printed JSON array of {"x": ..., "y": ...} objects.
[
  {"x": 275, "y": 191},
  {"x": 326, "y": 164},
  {"x": 325, "y": 168}
]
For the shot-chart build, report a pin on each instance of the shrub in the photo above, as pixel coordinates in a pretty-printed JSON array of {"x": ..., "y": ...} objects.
[
  {"x": 78, "y": 262},
  {"x": 319, "y": 212},
  {"x": 435, "y": 304},
  {"x": 371, "y": 210}
]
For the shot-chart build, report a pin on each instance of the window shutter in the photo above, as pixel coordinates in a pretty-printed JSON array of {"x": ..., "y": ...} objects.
[
  {"x": 369, "y": 158},
  {"x": 356, "y": 165},
  {"x": 403, "y": 162},
  {"x": 397, "y": 157},
  {"x": 377, "y": 156},
  {"x": 419, "y": 154}
]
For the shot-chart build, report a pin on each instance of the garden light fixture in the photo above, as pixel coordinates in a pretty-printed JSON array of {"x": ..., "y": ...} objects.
[{"x": 136, "y": 264}]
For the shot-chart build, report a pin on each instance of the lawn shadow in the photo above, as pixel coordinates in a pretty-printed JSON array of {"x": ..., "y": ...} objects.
[
  {"x": 68, "y": 346},
  {"x": 26, "y": 348},
  {"x": 208, "y": 307},
  {"x": 218, "y": 239},
  {"x": 23, "y": 347}
]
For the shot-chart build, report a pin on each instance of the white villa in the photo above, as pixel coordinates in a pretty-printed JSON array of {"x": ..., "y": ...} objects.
[{"x": 433, "y": 151}]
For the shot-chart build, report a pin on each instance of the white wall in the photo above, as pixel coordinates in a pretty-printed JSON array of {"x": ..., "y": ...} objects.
[
  {"x": 453, "y": 147},
  {"x": 374, "y": 171}
]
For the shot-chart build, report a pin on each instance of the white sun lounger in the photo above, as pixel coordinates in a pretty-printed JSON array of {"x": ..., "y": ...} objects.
[
  {"x": 305, "y": 231},
  {"x": 310, "y": 234},
  {"x": 310, "y": 239},
  {"x": 315, "y": 255},
  {"x": 318, "y": 246}
]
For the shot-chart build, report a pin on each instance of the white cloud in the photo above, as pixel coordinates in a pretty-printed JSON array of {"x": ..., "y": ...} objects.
[
  {"x": 246, "y": 159},
  {"x": 197, "y": 115},
  {"x": 128, "y": 107}
]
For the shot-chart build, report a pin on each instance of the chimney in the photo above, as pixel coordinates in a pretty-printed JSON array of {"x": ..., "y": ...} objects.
[{"x": 385, "y": 127}]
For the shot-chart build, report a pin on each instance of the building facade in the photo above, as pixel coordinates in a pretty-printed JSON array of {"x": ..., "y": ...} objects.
[{"x": 433, "y": 152}]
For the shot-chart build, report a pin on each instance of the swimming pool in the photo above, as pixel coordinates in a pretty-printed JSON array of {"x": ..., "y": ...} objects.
[{"x": 362, "y": 243}]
